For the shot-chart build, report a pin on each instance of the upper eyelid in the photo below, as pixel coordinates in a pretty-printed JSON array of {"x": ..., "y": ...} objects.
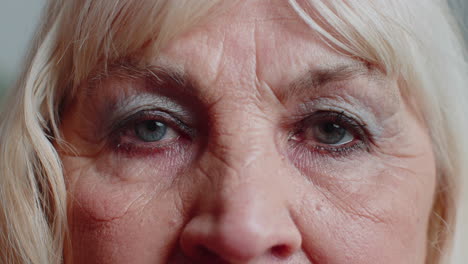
[
  {"x": 339, "y": 117},
  {"x": 127, "y": 108},
  {"x": 146, "y": 102},
  {"x": 350, "y": 123},
  {"x": 173, "y": 122},
  {"x": 352, "y": 107}
]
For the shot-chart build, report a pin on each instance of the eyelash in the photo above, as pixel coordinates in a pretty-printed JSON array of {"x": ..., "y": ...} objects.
[
  {"x": 136, "y": 146},
  {"x": 126, "y": 128},
  {"x": 361, "y": 141}
]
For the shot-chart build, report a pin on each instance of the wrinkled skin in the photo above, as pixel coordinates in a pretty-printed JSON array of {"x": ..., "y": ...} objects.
[{"x": 241, "y": 186}]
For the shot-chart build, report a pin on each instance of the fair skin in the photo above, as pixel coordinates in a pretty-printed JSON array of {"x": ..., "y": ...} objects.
[{"x": 273, "y": 149}]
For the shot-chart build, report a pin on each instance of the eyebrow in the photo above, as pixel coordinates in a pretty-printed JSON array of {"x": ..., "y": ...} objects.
[
  {"x": 162, "y": 75},
  {"x": 315, "y": 79},
  {"x": 156, "y": 77}
]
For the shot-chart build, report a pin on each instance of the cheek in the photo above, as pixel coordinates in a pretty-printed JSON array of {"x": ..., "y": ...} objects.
[
  {"x": 121, "y": 214},
  {"x": 113, "y": 183},
  {"x": 140, "y": 236},
  {"x": 368, "y": 209}
]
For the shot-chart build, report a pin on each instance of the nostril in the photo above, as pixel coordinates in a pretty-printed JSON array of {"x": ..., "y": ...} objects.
[
  {"x": 281, "y": 251},
  {"x": 206, "y": 254},
  {"x": 237, "y": 236}
]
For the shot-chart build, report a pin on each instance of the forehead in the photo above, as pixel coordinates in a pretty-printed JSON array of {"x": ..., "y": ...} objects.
[{"x": 252, "y": 41}]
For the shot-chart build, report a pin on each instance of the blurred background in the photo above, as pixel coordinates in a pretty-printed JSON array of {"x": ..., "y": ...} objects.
[{"x": 19, "y": 18}]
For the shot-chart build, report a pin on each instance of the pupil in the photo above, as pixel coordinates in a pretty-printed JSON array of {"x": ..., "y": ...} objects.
[
  {"x": 330, "y": 133},
  {"x": 329, "y": 128},
  {"x": 153, "y": 125}
]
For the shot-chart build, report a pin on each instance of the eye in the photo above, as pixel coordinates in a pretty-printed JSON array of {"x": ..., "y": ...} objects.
[
  {"x": 331, "y": 131},
  {"x": 151, "y": 130}
]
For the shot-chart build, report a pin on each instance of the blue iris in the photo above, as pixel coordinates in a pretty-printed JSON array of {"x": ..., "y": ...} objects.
[
  {"x": 151, "y": 130},
  {"x": 330, "y": 133}
]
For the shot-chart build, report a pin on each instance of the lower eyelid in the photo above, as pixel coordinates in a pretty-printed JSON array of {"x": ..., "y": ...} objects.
[
  {"x": 338, "y": 152},
  {"x": 135, "y": 147},
  {"x": 358, "y": 143}
]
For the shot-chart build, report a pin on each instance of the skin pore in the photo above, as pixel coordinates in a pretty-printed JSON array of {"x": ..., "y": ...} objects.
[{"x": 247, "y": 140}]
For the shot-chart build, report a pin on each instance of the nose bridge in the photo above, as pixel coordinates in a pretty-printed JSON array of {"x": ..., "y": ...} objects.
[
  {"x": 243, "y": 154},
  {"x": 243, "y": 212},
  {"x": 244, "y": 180}
]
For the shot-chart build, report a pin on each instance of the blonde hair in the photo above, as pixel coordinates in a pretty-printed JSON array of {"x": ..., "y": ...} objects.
[{"x": 78, "y": 37}]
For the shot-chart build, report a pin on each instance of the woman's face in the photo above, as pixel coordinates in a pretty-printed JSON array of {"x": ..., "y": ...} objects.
[{"x": 247, "y": 140}]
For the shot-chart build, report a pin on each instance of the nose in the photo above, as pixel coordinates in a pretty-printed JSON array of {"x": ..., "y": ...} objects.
[{"x": 242, "y": 216}]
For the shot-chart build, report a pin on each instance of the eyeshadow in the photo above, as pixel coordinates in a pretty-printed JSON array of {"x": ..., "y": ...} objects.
[{"x": 114, "y": 111}]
